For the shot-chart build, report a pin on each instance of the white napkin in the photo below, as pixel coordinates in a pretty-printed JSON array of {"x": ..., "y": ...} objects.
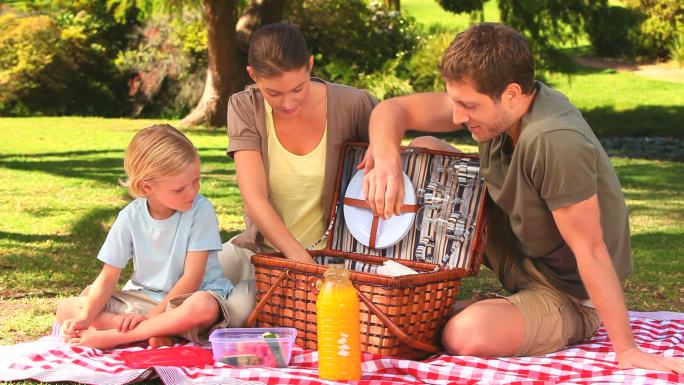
[{"x": 393, "y": 269}]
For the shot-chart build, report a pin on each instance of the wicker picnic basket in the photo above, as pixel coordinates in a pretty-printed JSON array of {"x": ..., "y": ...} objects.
[{"x": 400, "y": 316}]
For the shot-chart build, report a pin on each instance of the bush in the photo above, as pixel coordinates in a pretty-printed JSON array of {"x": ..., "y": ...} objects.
[
  {"x": 662, "y": 28},
  {"x": 166, "y": 66},
  {"x": 349, "y": 37},
  {"x": 59, "y": 62},
  {"x": 652, "y": 29},
  {"x": 422, "y": 68},
  {"x": 386, "y": 83},
  {"x": 613, "y": 31}
]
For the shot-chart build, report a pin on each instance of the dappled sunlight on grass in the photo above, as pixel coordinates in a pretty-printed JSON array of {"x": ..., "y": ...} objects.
[{"x": 60, "y": 196}]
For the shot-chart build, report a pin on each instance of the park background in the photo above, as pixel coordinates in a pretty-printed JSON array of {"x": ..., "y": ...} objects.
[{"x": 78, "y": 78}]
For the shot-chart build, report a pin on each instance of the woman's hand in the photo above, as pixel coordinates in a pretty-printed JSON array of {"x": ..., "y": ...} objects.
[{"x": 302, "y": 256}]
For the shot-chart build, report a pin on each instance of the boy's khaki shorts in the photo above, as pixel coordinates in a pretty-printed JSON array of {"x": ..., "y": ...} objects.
[{"x": 234, "y": 309}]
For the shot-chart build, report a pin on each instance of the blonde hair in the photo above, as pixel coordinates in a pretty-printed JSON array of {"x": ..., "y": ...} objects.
[{"x": 156, "y": 152}]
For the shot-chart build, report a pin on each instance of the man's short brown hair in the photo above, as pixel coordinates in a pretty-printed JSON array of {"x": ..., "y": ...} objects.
[{"x": 492, "y": 56}]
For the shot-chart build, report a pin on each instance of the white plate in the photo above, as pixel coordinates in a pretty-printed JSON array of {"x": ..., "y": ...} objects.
[{"x": 359, "y": 220}]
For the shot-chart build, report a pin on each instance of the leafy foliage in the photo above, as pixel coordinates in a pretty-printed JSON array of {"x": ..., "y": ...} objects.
[
  {"x": 612, "y": 31},
  {"x": 57, "y": 58},
  {"x": 549, "y": 24},
  {"x": 460, "y": 6},
  {"x": 661, "y": 33},
  {"x": 167, "y": 65},
  {"x": 422, "y": 69},
  {"x": 652, "y": 29},
  {"x": 349, "y": 37}
]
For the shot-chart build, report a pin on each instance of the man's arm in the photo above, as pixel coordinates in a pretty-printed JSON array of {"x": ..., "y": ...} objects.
[
  {"x": 580, "y": 226},
  {"x": 383, "y": 184}
]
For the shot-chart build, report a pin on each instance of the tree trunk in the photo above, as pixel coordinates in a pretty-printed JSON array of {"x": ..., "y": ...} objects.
[
  {"x": 258, "y": 13},
  {"x": 223, "y": 72},
  {"x": 393, "y": 4},
  {"x": 227, "y": 43}
]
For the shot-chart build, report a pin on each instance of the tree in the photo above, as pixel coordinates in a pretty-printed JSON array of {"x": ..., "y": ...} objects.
[
  {"x": 393, "y": 4},
  {"x": 227, "y": 41},
  {"x": 547, "y": 23}
]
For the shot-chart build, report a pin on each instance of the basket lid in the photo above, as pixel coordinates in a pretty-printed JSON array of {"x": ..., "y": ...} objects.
[{"x": 447, "y": 225}]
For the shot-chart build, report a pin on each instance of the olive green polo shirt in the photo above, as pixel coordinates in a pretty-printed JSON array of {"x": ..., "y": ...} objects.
[{"x": 557, "y": 162}]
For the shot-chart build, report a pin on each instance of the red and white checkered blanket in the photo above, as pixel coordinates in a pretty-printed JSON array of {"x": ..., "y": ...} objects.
[{"x": 591, "y": 362}]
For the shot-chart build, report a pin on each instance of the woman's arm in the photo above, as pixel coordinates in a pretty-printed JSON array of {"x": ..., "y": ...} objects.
[{"x": 251, "y": 177}]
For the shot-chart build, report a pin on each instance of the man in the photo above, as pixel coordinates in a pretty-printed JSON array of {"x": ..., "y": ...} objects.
[{"x": 559, "y": 232}]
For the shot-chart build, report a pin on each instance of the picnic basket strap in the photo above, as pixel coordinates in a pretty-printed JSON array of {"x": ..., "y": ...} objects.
[
  {"x": 257, "y": 309},
  {"x": 403, "y": 337}
]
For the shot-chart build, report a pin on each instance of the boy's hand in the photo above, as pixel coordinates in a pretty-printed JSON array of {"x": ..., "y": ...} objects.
[
  {"x": 72, "y": 326},
  {"x": 128, "y": 321}
]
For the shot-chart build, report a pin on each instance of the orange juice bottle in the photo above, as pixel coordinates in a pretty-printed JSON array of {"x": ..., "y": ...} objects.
[{"x": 337, "y": 317}]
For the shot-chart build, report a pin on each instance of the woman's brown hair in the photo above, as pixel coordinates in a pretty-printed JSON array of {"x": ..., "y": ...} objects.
[{"x": 277, "y": 48}]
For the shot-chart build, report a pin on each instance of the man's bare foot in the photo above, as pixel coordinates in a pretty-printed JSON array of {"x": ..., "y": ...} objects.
[
  {"x": 157, "y": 342},
  {"x": 99, "y": 339}
]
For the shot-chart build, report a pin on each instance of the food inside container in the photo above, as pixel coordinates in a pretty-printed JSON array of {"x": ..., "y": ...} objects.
[{"x": 242, "y": 347}]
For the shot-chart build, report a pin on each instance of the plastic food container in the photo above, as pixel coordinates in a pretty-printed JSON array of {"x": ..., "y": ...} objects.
[{"x": 241, "y": 347}]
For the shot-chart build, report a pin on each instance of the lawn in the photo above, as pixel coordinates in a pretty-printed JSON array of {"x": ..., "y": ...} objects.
[
  {"x": 431, "y": 16},
  {"x": 60, "y": 194}
]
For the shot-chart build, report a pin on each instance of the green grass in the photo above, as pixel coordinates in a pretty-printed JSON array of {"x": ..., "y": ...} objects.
[
  {"x": 623, "y": 103},
  {"x": 431, "y": 16},
  {"x": 60, "y": 194}
]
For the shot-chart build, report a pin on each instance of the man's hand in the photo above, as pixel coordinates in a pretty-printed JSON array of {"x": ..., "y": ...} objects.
[
  {"x": 128, "y": 321},
  {"x": 383, "y": 185},
  {"x": 635, "y": 358}
]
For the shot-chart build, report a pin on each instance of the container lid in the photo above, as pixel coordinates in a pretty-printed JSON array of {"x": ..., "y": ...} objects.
[{"x": 227, "y": 335}]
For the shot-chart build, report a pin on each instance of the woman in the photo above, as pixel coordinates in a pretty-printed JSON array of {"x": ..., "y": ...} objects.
[{"x": 286, "y": 132}]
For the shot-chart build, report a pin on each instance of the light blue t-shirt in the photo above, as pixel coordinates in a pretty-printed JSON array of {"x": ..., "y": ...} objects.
[{"x": 158, "y": 247}]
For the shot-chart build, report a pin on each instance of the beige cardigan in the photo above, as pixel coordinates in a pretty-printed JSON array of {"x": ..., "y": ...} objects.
[{"x": 348, "y": 114}]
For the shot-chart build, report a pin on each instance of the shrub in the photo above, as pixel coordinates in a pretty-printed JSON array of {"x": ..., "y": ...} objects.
[
  {"x": 661, "y": 29},
  {"x": 422, "y": 68},
  {"x": 613, "y": 31},
  {"x": 166, "y": 66},
  {"x": 652, "y": 29},
  {"x": 385, "y": 83},
  {"x": 349, "y": 37},
  {"x": 59, "y": 61}
]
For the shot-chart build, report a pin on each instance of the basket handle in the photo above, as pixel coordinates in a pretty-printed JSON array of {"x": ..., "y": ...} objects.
[
  {"x": 403, "y": 337},
  {"x": 257, "y": 309}
]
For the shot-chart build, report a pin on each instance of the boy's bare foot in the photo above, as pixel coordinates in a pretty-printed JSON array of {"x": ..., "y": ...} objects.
[
  {"x": 157, "y": 342},
  {"x": 99, "y": 339}
]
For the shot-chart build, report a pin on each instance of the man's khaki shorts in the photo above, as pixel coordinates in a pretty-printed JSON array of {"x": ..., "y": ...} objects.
[
  {"x": 234, "y": 309},
  {"x": 553, "y": 320}
]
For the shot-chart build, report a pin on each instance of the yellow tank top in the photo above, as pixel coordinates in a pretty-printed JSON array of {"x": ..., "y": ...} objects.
[{"x": 295, "y": 186}]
